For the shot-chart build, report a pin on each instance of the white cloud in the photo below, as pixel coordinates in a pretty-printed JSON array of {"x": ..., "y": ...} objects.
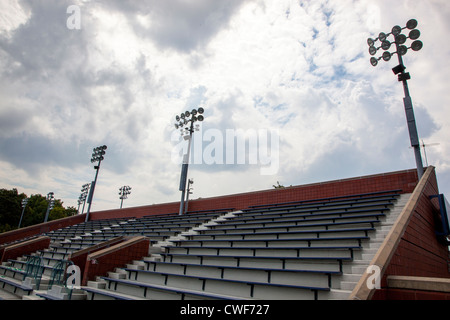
[
  {"x": 12, "y": 15},
  {"x": 299, "y": 67}
]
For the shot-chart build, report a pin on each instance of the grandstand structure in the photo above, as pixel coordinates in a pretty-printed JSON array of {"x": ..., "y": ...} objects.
[{"x": 381, "y": 236}]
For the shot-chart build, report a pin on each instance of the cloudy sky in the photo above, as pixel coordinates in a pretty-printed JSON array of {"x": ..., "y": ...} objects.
[{"x": 77, "y": 74}]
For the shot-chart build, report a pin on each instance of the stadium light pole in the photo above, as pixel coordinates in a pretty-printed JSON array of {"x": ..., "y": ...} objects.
[
  {"x": 124, "y": 192},
  {"x": 401, "y": 50},
  {"x": 51, "y": 204},
  {"x": 80, "y": 201},
  {"x": 185, "y": 123},
  {"x": 189, "y": 192},
  {"x": 97, "y": 157},
  {"x": 24, "y": 205},
  {"x": 83, "y": 196}
]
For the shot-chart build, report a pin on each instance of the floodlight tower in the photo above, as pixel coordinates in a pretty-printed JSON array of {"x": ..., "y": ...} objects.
[
  {"x": 79, "y": 201},
  {"x": 402, "y": 49},
  {"x": 83, "y": 196},
  {"x": 51, "y": 204},
  {"x": 24, "y": 205},
  {"x": 185, "y": 122},
  {"x": 124, "y": 192},
  {"x": 97, "y": 157}
]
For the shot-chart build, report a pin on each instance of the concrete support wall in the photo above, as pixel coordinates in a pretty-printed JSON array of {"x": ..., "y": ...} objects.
[
  {"x": 419, "y": 253},
  {"x": 411, "y": 248},
  {"x": 103, "y": 261},
  {"x": 23, "y": 248},
  {"x": 41, "y": 228}
]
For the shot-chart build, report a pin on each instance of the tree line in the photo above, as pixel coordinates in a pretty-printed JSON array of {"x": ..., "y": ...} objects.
[{"x": 35, "y": 210}]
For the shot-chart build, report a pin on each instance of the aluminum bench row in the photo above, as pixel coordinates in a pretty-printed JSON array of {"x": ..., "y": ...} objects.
[
  {"x": 249, "y": 215},
  {"x": 289, "y": 252},
  {"x": 246, "y": 217},
  {"x": 331, "y": 264},
  {"x": 300, "y": 221},
  {"x": 282, "y": 233},
  {"x": 102, "y": 294},
  {"x": 355, "y": 197},
  {"x": 324, "y": 226},
  {"x": 271, "y": 243},
  {"x": 120, "y": 289},
  {"x": 15, "y": 286},
  {"x": 204, "y": 287},
  {"x": 159, "y": 227},
  {"x": 300, "y": 277},
  {"x": 292, "y": 251},
  {"x": 382, "y": 203}
]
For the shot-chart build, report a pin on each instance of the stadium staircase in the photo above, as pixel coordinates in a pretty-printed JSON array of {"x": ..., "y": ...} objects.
[{"x": 316, "y": 249}]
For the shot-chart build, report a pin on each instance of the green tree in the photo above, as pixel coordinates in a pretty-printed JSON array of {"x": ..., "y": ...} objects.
[{"x": 11, "y": 210}]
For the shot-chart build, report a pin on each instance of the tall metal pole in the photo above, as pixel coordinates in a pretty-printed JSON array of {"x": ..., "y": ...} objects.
[
  {"x": 79, "y": 204},
  {"x": 24, "y": 204},
  {"x": 50, "y": 200},
  {"x": 91, "y": 192},
  {"x": 184, "y": 170},
  {"x": 410, "y": 118},
  {"x": 84, "y": 203},
  {"x": 182, "y": 121},
  {"x": 84, "y": 194},
  {"x": 190, "y": 182}
]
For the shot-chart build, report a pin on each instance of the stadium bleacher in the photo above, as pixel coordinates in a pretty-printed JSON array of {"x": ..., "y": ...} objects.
[
  {"x": 315, "y": 249},
  {"x": 295, "y": 251},
  {"x": 302, "y": 250}
]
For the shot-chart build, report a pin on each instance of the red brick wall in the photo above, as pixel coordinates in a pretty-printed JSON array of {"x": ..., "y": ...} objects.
[
  {"x": 100, "y": 263},
  {"x": 404, "y": 180},
  {"x": 419, "y": 253},
  {"x": 23, "y": 233},
  {"x": 27, "y": 247},
  {"x": 80, "y": 258}
]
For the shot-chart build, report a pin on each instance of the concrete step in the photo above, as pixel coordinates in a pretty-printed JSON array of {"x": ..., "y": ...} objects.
[
  {"x": 97, "y": 284},
  {"x": 119, "y": 270},
  {"x": 153, "y": 257},
  {"x": 335, "y": 294},
  {"x": 353, "y": 277},
  {"x": 358, "y": 269},
  {"x": 354, "y": 270},
  {"x": 135, "y": 267},
  {"x": 348, "y": 285},
  {"x": 139, "y": 263},
  {"x": 116, "y": 275}
]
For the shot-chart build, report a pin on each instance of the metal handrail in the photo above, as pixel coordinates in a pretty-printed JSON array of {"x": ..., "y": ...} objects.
[{"x": 34, "y": 269}]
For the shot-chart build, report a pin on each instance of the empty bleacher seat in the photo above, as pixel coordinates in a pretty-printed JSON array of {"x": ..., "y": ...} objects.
[{"x": 281, "y": 251}]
